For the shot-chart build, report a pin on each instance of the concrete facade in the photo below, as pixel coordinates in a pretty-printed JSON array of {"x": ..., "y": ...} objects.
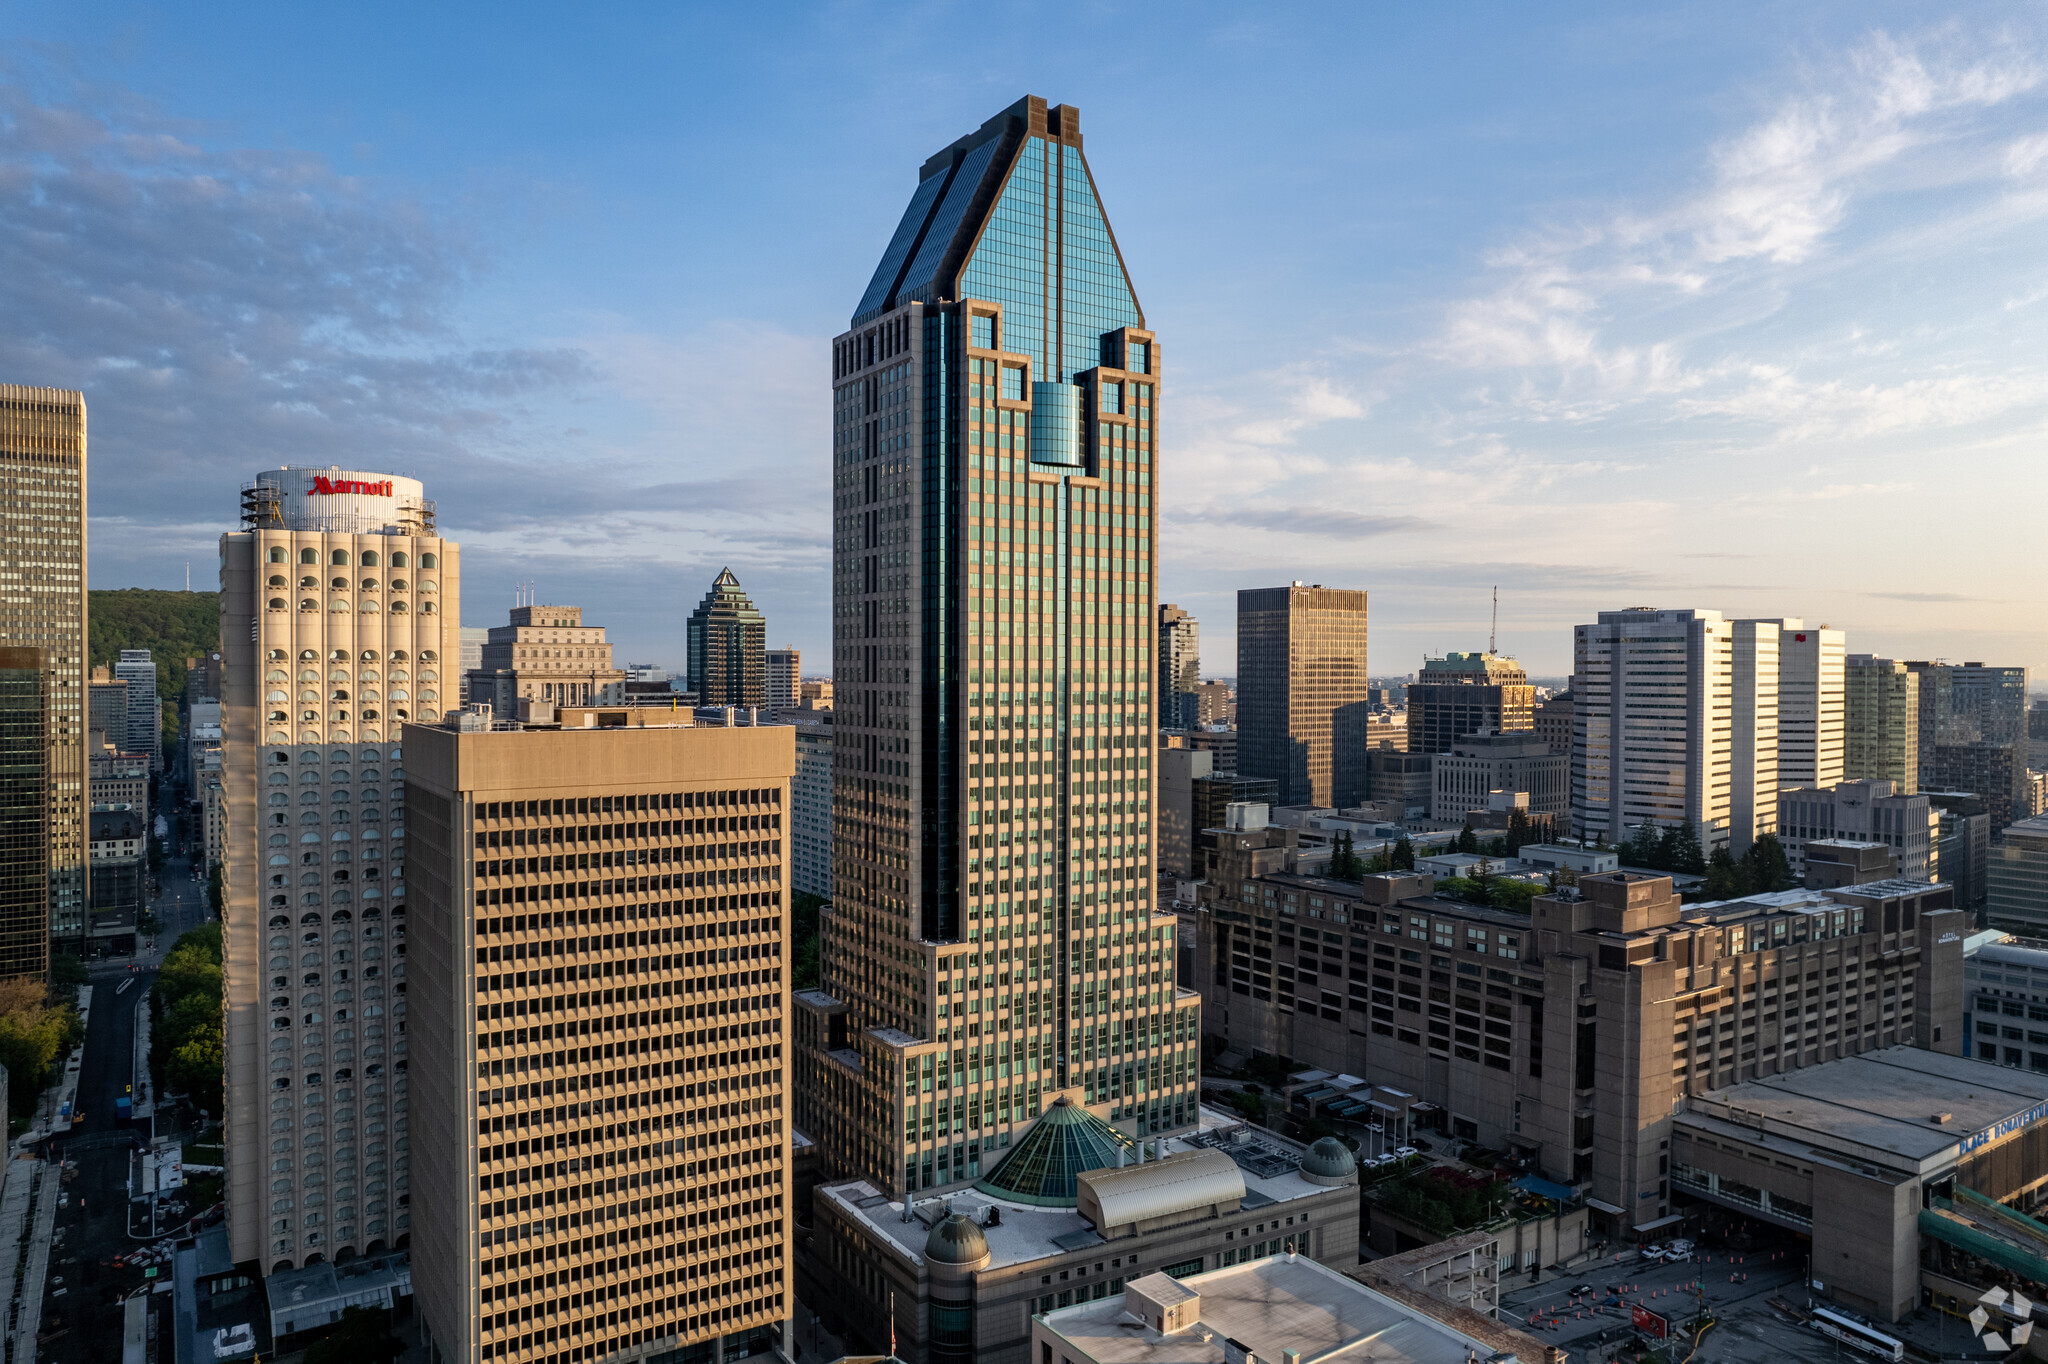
[
  {"x": 1478, "y": 764},
  {"x": 1868, "y": 810},
  {"x": 1179, "y": 770},
  {"x": 2016, "y": 878},
  {"x": 546, "y": 654},
  {"x": 599, "y": 986}
]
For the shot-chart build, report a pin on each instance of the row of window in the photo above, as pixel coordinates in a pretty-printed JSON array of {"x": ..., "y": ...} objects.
[
  {"x": 367, "y": 559},
  {"x": 606, "y": 805}
]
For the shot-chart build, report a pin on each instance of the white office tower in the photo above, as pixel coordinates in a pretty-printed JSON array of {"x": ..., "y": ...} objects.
[
  {"x": 1813, "y": 732},
  {"x": 1756, "y": 731},
  {"x": 1652, "y": 723},
  {"x": 338, "y": 625},
  {"x": 145, "y": 712}
]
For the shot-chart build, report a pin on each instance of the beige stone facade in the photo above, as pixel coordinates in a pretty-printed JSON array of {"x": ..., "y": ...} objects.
[
  {"x": 546, "y": 653},
  {"x": 599, "y": 986},
  {"x": 331, "y": 638}
]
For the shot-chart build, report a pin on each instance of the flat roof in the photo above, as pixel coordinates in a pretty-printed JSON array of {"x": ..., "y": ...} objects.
[
  {"x": 1881, "y": 1105},
  {"x": 1284, "y": 1302},
  {"x": 1028, "y": 1233}
]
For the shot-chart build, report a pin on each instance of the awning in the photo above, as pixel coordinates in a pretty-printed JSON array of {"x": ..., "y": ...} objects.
[
  {"x": 1661, "y": 1222},
  {"x": 1608, "y": 1208},
  {"x": 1545, "y": 1188}
]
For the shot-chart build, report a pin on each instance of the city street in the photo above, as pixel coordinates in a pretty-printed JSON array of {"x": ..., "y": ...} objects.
[{"x": 80, "y": 1322}]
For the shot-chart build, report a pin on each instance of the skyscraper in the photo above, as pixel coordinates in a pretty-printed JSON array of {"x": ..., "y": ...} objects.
[
  {"x": 1180, "y": 668},
  {"x": 1755, "y": 667},
  {"x": 1881, "y": 722},
  {"x": 1301, "y": 692},
  {"x": 784, "y": 678},
  {"x": 42, "y": 555},
  {"x": 728, "y": 644},
  {"x": 1461, "y": 694},
  {"x": 1812, "y": 721},
  {"x": 1973, "y": 733},
  {"x": 993, "y": 954},
  {"x": 24, "y": 814},
  {"x": 145, "y": 707},
  {"x": 603, "y": 1166},
  {"x": 1652, "y": 724},
  {"x": 338, "y": 607}
]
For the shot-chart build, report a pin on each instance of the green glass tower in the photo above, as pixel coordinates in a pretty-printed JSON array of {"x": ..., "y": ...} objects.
[
  {"x": 993, "y": 958},
  {"x": 728, "y": 647}
]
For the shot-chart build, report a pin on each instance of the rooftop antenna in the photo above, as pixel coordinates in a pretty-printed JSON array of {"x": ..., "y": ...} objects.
[{"x": 1493, "y": 632}]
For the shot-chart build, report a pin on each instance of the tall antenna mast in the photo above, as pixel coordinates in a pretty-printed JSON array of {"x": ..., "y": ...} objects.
[{"x": 1493, "y": 634}]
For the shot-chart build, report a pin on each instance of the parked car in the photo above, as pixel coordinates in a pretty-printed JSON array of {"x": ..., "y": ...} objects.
[
  {"x": 1654, "y": 1253},
  {"x": 1678, "y": 1250},
  {"x": 1403, "y": 1152}
]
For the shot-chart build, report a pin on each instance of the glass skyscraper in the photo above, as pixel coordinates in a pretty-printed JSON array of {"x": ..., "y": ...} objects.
[{"x": 993, "y": 953}]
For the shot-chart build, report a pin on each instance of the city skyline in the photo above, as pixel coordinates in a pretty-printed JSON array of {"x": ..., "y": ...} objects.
[{"x": 1680, "y": 325}]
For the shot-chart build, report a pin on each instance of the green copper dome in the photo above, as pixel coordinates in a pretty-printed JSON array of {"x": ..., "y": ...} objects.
[{"x": 1065, "y": 1142}]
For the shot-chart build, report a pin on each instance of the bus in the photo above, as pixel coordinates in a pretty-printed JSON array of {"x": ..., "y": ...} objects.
[{"x": 1855, "y": 1334}]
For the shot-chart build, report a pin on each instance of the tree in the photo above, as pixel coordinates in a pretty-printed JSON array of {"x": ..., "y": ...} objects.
[
  {"x": 67, "y": 971},
  {"x": 1345, "y": 864},
  {"x": 1468, "y": 842},
  {"x": 216, "y": 888},
  {"x": 1383, "y": 860},
  {"x": 1404, "y": 855},
  {"x": 33, "y": 1035},
  {"x": 1643, "y": 846},
  {"x": 1518, "y": 831},
  {"x": 1727, "y": 879},
  {"x": 804, "y": 910},
  {"x": 1685, "y": 854},
  {"x": 362, "y": 1336},
  {"x": 1767, "y": 866}
]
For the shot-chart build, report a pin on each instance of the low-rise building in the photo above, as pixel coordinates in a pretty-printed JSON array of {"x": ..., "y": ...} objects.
[
  {"x": 2016, "y": 878},
  {"x": 1867, "y": 810},
  {"x": 1871, "y": 1156},
  {"x": 1282, "y": 1307},
  {"x": 1392, "y": 775},
  {"x": 1832, "y": 862},
  {"x": 1565, "y": 1035},
  {"x": 966, "y": 1277},
  {"x": 1479, "y": 764}
]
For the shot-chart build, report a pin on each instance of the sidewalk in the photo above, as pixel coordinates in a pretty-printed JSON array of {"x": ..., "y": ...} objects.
[{"x": 28, "y": 1216}]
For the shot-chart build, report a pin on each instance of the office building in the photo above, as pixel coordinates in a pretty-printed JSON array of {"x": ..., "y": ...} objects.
[
  {"x": 606, "y": 1175},
  {"x": 203, "y": 734},
  {"x": 810, "y": 804},
  {"x": 784, "y": 674},
  {"x": 1963, "y": 846},
  {"x": 1210, "y": 799},
  {"x": 1216, "y": 704},
  {"x": 1869, "y": 1159},
  {"x": 1180, "y": 668},
  {"x": 339, "y": 605},
  {"x": 1388, "y": 730},
  {"x": 1812, "y": 712},
  {"x": 1461, "y": 694},
  {"x": 1881, "y": 721},
  {"x": 1567, "y": 1034},
  {"x": 546, "y": 654},
  {"x": 1402, "y": 779},
  {"x": 971, "y": 1278},
  {"x": 1651, "y": 724},
  {"x": 2016, "y": 878},
  {"x": 1832, "y": 862},
  {"x": 117, "y": 853},
  {"x": 145, "y": 707},
  {"x": 1175, "y": 827},
  {"x": 728, "y": 644},
  {"x": 1281, "y": 1307},
  {"x": 1478, "y": 765},
  {"x": 1754, "y": 733},
  {"x": 115, "y": 778},
  {"x": 995, "y": 460},
  {"x": 1553, "y": 722},
  {"x": 1220, "y": 744},
  {"x": 2005, "y": 999},
  {"x": 107, "y": 707},
  {"x": 1862, "y": 811},
  {"x": 1973, "y": 734},
  {"x": 42, "y": 558},
  {"x": 25, "y": 686},
  {"x": 473, "y": 638},
  {"x": 1301, "y": 691}
]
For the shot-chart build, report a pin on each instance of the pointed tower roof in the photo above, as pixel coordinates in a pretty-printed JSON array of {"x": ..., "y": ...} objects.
[{"x": 1066, "y": 1142}]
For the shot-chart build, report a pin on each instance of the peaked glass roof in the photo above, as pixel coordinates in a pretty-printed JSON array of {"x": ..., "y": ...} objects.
[{"x": 1065, "y": 1142}]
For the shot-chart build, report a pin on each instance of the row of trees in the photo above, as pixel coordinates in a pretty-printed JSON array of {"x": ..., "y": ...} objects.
[
  {"x": 38, "y": 1026},
  {"x": 187, "y": 1052},
  {"x": 1347, "y": 865},
  {"x": 1522, "y": 830}
]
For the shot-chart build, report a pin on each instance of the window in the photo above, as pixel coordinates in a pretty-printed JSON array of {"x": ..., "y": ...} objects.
[
  {"x": 1183, "y": 1269},
  {"x": 309, "y": 556},
  {"x": 1013, "y": 383},
  {"x": 398, "y": 560},
  {"x": 369, "y": 559},
  {"x": 429, "y": 561},
  {"x": 983, "y": 332},
  {"x": 277, "y": 554}
]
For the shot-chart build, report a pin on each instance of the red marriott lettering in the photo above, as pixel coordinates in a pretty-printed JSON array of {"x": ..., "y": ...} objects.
[{"x": 350, "y": 485}]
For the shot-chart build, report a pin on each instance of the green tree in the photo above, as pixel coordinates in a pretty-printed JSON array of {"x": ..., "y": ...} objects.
[
  {"x": 1511, "y": 893},
  {"x": 34, "y": 1034},
  {"x": 804, "y": 913},
  {"x": 1468, "y": 842},
  {"x": 198, "y": 1069},
  {"x": 187, "y": 1044},
  {"x": 362, "y": 1336},
  {"x": 1767, "y": 867},
  {"x": 1518, "y": 831},
  {"x": 1404, "y": 855},
  {"x": 1727, "y": 879},
  {"x": 1685, "y": 853},
  {"x": 67, "y": 971},
  {"x": 1643, "y": 846}
]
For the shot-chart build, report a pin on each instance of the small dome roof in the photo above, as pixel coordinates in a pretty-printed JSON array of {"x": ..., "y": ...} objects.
[
  {"x": 956, "y": 1240},
  {"x": 1330, "y": 1158}
]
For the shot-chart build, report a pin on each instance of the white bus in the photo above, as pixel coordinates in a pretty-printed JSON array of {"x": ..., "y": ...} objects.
[{"x": 1855, "y": 1334}]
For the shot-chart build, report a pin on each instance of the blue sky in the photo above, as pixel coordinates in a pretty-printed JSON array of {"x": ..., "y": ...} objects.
[{"x": 1737, "y": 306}]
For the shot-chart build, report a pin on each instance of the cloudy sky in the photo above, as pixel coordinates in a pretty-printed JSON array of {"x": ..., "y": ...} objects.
[{"x": 1735, "y": 306}]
